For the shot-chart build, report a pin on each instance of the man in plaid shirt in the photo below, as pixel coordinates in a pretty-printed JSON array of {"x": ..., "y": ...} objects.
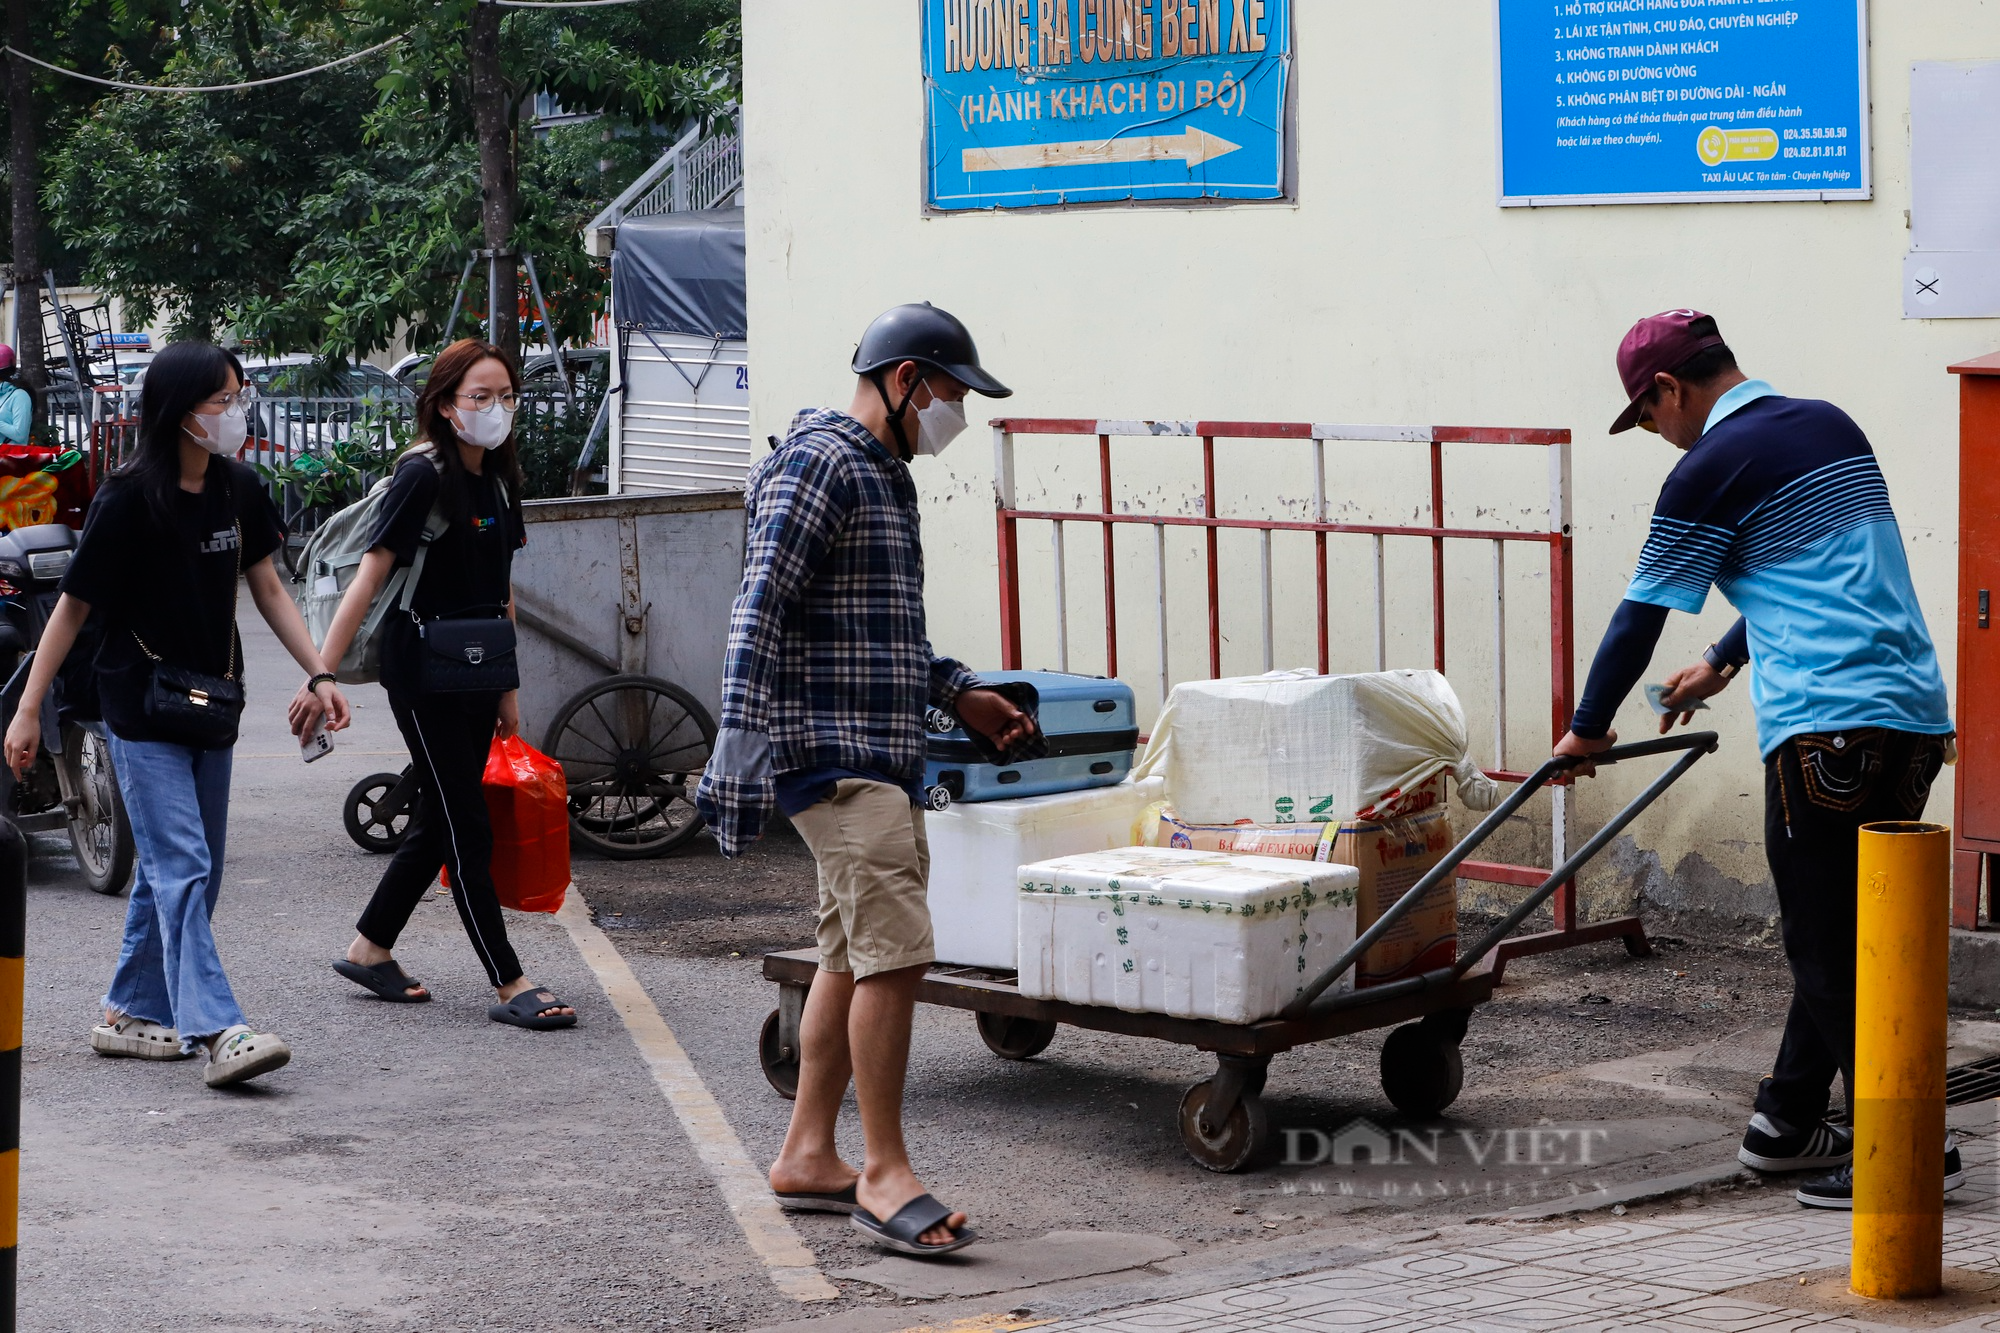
[{"x": 827, "y": 678}]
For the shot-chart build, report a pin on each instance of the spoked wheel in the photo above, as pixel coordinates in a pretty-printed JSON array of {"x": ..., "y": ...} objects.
[
  {"x": 1015, "y": 1038},
  {"x": 1230, "y": 1145},
  {"x": 377, "y": 810},
  {"x": 98, "y": 829},
  {"x": 780, "y": 1062},
  {"x": 1421, "y": 1070},
  {"x": 631, "y": 748}
]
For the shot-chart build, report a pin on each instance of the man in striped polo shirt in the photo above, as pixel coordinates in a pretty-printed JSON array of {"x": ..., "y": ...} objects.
[{"x": 1778, "y": 502}]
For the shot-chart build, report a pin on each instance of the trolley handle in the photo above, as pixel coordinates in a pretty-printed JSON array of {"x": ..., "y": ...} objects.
[{"x": 1695, "y": 744}]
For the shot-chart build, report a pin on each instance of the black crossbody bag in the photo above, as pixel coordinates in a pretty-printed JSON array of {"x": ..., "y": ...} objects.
[
  {"x": 467, "y": 654},
  {"x": 190, "y": 707}
]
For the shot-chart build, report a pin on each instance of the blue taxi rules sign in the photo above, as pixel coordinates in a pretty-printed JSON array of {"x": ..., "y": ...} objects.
[{"x": 1032, "y": 103}]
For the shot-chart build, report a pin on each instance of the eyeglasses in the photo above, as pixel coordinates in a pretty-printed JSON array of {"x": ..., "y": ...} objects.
[
  {"x": 482, "y": 401},
  {"x": 242, "y": 397}
]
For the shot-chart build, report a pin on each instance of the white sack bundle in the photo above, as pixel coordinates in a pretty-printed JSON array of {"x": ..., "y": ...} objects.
[{"x": 1295, "y": 746}]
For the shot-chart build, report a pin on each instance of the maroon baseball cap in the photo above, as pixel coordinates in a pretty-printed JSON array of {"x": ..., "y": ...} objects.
[{"x": 1657, "y": 344}]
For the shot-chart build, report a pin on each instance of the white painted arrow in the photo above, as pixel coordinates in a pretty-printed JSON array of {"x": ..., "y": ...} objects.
[{"x": 1192, "y": 146}]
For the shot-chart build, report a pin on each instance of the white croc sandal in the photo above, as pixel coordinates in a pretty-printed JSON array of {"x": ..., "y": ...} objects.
[
  {"x": 240, "y": 1053},
  {"x": 137, "y": 1038}
]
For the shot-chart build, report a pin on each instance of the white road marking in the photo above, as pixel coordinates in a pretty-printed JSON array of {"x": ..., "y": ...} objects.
[{"x": 741, "y": 1181}]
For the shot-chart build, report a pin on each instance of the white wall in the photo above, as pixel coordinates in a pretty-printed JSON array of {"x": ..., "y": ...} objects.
[{"x": 1393, "y": 291}]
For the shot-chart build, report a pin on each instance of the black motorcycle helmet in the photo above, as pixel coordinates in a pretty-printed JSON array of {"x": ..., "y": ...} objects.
[{"x": 930, "y": 337}]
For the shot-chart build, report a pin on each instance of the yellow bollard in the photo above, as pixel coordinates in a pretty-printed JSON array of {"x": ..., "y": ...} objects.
[{"x": 1899, "y": 1035}]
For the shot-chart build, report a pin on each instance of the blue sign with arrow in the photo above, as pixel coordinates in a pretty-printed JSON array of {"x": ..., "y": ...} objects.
[{"x": 1033, "y": 103}]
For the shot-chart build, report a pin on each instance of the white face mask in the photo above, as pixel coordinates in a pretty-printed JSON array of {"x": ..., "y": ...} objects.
[
  {"x": 938, "y": 424},
  {"x": 485, "y": 430},
  {"x": 223, "y": 433}
]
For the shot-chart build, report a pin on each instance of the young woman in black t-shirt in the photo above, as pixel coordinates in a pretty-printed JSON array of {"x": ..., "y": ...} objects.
[
  {"x": 469, "y": 474},
  {"x": 162, "y": 548}
]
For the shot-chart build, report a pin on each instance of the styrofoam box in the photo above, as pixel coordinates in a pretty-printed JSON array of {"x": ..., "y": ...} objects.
[
  {"x": 977, "y": 851},
  {"x": 1164, "y": 930}
]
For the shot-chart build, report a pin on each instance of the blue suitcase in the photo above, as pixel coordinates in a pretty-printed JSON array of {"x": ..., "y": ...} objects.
[{"x": 1089, "y": 721}]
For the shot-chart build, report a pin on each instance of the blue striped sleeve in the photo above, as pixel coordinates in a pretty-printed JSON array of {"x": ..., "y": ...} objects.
[{"x": 1679, "y": 563}]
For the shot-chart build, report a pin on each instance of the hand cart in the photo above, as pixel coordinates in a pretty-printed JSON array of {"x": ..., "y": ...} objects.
[
  {"x": 1222, "y": 1118},
  {"x": 599, "y": 673}
]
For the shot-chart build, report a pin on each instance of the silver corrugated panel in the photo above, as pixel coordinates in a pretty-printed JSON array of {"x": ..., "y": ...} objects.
[{"x": 685, "y": 422}]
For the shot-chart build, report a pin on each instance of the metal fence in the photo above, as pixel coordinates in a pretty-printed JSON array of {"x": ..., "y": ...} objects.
[{"x": 1145, "y": 517}]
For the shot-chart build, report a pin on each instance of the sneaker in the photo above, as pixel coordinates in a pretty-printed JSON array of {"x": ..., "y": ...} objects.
[
  {"x": 138, "y": 1038},
  {"x": 1772, "y": 1145},
  {"x": 1836, "y": 1190},
  {"x": 240, "y": 1053}
]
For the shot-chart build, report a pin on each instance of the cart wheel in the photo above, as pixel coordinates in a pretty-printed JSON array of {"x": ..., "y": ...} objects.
[
  {"x": 781, "y": 1066},
  {"x": 1239, "y": 1139},
  {"x": 373, "y": 833},
  {"x": 1421, "y": 1072},
  {"x": 938, "y": 797},
  {"x": 99, "y": 831},
  {"x": 1015, "y": 1038},
  {"x": 631, "y": 748}
]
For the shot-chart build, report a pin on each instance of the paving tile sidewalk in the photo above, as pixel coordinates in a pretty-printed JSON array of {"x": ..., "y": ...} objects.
[{"x": 1661, "y": 1268}]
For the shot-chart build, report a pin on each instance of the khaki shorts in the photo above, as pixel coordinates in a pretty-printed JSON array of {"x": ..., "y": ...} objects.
[{"x": 874, "y": 866}]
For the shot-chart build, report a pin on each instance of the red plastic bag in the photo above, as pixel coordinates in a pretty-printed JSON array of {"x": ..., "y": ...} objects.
[{"x": 529, "y": 805}]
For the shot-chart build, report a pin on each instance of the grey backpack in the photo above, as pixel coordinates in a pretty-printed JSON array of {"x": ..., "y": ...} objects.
[{"x": 331, "y": 560}]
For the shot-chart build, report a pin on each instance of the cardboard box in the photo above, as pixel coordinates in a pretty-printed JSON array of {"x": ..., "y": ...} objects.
[
  {"x": 1392, "y": 856},
  {"x": 1298, "y": 842}
]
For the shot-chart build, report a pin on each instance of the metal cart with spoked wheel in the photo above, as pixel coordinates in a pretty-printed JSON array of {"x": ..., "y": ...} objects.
[
  {"x": 1222, "y": 1120},
  {"x": 623, "y": 606}
]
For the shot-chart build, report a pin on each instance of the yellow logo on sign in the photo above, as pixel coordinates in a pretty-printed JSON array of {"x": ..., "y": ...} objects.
[{"x": 1716, "y": 145}]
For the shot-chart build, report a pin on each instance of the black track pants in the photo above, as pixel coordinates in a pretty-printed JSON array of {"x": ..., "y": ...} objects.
[
  {"x": 1819, "y": 790},
  {"x": 449, "y": 736}
]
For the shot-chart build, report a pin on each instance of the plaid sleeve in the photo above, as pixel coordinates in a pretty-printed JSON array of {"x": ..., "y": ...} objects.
[
  {"x": 795, "y": 516},
  {"x": 949, "y": 678}
]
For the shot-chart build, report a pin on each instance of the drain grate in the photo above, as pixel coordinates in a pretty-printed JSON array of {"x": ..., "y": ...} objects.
[{"x": 1974, "y": 1081}]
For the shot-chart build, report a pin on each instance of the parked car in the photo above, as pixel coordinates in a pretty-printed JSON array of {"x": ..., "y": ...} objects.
[{"x": 305, "y": 407}]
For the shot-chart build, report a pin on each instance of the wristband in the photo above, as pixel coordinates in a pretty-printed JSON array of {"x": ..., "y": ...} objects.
[
  {"x": 1719, "y": 664},
  {"x": 312, "y": 686}
]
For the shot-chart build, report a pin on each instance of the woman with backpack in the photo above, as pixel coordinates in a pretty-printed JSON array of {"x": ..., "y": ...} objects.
[
  {"x": 164, "y": 544},
  {"x": 452, "y": 517}
]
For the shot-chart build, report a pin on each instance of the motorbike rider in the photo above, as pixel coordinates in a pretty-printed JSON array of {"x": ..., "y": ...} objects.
[
  {"x": 17, "y": 405},
  {"x": 160, "y": 555}
]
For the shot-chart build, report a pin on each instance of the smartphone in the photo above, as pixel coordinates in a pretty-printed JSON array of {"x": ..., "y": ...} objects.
[
  {"x": 1656, "y": 693},
  {"x": 317, "y": 744}
]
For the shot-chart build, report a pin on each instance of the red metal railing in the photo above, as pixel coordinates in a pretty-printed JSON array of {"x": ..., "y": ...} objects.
[{"x": 1555, "y": 538}]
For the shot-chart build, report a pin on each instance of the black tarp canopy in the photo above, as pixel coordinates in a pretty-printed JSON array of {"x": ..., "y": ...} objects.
[{"x": 682, "y": 273}]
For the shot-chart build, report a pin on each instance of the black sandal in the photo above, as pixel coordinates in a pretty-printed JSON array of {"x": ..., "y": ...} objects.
[
  {"x": 386, "y": 979},
  {"x": 818, "y": 1201},
  {"x": 530, "y": 1009},
  {"x": 912, "y": 1220}
]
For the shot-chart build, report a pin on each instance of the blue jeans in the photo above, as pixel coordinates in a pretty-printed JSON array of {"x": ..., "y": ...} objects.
[{"x": 177, "y": 798}]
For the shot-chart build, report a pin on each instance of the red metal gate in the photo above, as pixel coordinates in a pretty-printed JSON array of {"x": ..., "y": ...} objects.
[{"x": 1555, "y": 539}]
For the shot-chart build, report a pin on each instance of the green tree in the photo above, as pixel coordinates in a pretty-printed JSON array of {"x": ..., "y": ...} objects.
[
  {"x": 382, "y": 249},
  {"x": 184, "y": 205},
  {"x": 334, "y": 213},
  {"x": 39, "y": 110}
]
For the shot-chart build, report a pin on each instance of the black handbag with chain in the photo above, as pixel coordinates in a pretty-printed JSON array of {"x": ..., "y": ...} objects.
[
  {"x": 467, "y": 655},
  {"x": 193, "y": 708}
]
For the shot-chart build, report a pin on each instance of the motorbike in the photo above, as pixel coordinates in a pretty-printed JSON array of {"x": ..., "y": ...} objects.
[{"x": 71, "y": 785}]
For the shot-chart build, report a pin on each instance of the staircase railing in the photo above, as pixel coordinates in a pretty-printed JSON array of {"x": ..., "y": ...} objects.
[{"x": 697, "y": 172}]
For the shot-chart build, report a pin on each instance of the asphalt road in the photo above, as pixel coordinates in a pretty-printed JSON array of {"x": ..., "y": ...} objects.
[{"x": 421, "y": 1166}]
